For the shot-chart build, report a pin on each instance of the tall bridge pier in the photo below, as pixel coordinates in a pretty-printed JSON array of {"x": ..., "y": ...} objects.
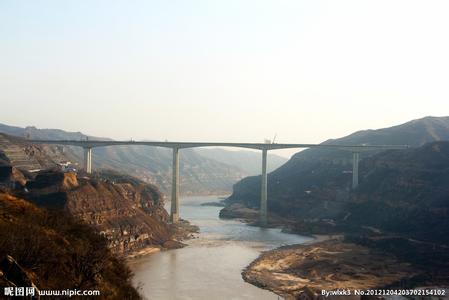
[
  {"x": 88, "y": 159},
  {"x": 355, "y": 169},
  {"x": 264, "y": 190},
  {"x": 174, "y": 208}
]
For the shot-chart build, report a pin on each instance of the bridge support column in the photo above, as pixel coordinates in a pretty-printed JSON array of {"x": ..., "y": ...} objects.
[
  {"x": 174, "y": 210},
  {"x": 263, "y": 191},
  {"x": 355, "y": 170},
  {"x": 88, "y": 159}
]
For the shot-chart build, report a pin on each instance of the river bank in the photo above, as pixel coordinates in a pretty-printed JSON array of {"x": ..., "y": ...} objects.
[
  {"x": 180, "y": 233},
  {"x": 325, "y": 265},
  {"x": 365, "y": 259}
]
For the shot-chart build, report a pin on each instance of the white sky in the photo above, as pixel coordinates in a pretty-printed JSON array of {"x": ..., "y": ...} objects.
[{"x": 235, "y": 70}]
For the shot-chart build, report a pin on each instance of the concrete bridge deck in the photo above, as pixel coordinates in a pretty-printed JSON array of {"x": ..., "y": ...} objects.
[
  {"x": 88, "y": 145},
  {"x": 180, "y": 145}
]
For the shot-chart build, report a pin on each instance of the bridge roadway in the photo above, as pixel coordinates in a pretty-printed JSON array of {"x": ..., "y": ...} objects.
[{"x": 88, "y": 145}]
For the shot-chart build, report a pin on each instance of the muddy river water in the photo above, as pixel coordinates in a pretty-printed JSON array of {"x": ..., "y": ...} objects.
[{"x": 210, "y": 267}]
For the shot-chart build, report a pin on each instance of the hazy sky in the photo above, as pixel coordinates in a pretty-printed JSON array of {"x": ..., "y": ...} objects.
[{"x": 222, "y": 70}]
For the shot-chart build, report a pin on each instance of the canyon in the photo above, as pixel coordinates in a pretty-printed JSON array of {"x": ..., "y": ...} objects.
[{"x": 397, "y": 214}]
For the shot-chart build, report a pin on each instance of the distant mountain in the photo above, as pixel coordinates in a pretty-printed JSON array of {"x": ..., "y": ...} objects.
[
  {"x": 249, "y": 161},
  {"x": 414, "y": 133},
  {"x": 205, "y": 171},
  {"x": 40, "y": 134},
  {"x": 315, "y": 183}
]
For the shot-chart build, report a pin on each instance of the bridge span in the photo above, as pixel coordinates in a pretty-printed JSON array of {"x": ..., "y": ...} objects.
[{"x": 88, "y": 145}]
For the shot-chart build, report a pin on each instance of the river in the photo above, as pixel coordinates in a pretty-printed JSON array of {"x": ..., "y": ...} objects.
[{"x": 210, "y": 267}]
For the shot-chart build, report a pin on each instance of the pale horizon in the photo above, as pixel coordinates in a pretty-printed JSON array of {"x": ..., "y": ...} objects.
[{"x": 222, "y": 71}]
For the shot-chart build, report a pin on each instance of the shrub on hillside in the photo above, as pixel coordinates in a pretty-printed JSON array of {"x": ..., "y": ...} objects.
[{"x": 59, "y": 252}]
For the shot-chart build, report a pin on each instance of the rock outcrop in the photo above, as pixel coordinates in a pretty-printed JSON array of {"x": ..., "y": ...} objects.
[
  {"x": 239, "y": 211},
  {"x": 128, "y": 212},
  {"x": 130, "y": 216}
]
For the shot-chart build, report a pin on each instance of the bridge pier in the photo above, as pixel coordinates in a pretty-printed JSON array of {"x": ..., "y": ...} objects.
[
  {"x": 263, "y": 191},
  {"x": 355, "y": 170},
  {"x": 88, "y": 159},
  {"x": 174, "y": 209}
]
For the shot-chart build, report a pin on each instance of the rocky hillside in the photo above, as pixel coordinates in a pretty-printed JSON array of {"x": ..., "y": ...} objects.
[
  {"x": 51, "y": 250},
  {"x": 27, "y": 157},
  {"x": 293, "y": 188},
  {"x": 127, "y": 211},
  {"x": 404, "y": 192}
]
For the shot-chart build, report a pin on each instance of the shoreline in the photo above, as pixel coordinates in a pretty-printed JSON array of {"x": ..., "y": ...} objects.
[
  {"x": 143, "y": 252},
  {"x": 325, "y": 264},
  {"x": 317, "y": 238},
  {"x": 337, "y": 261},
  {"x": 181, "y": 232},
  {"x": 328, "y": 262},
  {"x": 151, "y": 250}
]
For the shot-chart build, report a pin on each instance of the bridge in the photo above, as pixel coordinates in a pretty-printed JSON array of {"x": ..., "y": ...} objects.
[{"x": 88, "y": 145}]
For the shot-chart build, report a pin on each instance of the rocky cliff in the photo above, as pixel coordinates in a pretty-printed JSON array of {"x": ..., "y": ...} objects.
[
  {"x": 404, "y": 192},
  {"x": 127, "y": 211},
  {"x": 312, "y": 174}
]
